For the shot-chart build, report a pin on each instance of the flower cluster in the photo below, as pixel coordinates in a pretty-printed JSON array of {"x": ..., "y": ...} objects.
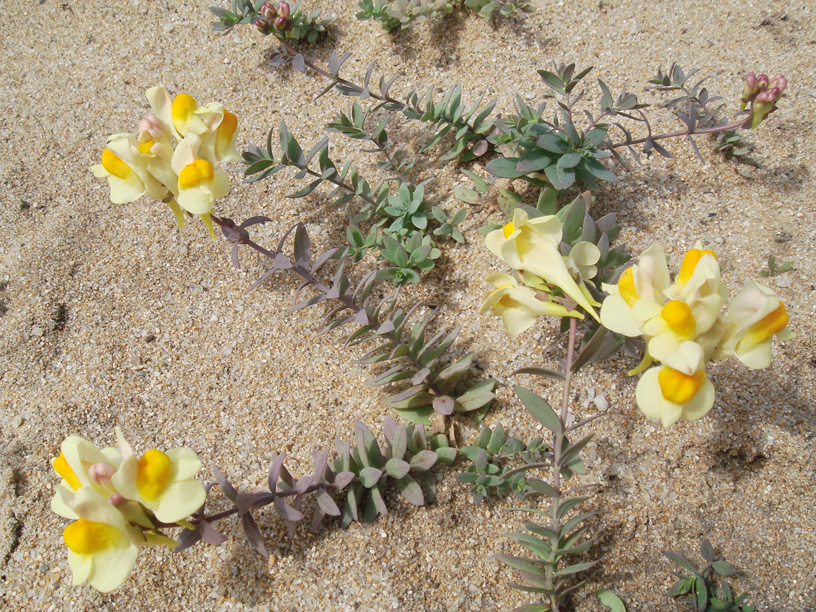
[
  {"x": 174, "y": 157},
  {"x": 684, "y": 329},
  {"x": 762, "y": 93},
  {"x": 275, "y": 18},
  {"x": 119, "y": 502},
  {"x": 532, "y": 247}
]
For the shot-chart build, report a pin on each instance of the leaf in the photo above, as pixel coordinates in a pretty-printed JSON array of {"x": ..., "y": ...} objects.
[
  {"x": 476, "y": 396},
  {"x": 466, "y": 195},
  {"x": 519, "y": 563},
  {"x": 253, "y": 534},
  {"x": 681, "y": 561},
  {"x": 370, "y": 476},
  {"x": 299, "y": 63},
  {"x": 534, "y": 160},
  {"x": 539, "y": 486},
  {"x": 343, "y": 479},
  {"x": 210, "y": 535},
  {"x": 552, "y": 81},
  {"x": 411, "y": 491},
  {"x": 443, "y": 404},
  {"x": 706, "y": 550},
  {"x": 286, "y": 511},
  {"x": 423, "y": 461},
  {"x": 561, "y": 178},
  {"x": 397, "y": 468},
  {"x": 536, "y": 371},
  {"x": 504, "y": 167},
  {"x": 225, "y": 485},
  {"x": 327, "y": 503},
  {"x": 274, "y": 470},
  {"x": 187, "y": 538},
  {"x": 539, "y": 408},
  {"x": 590, "y": 349},
  {"x": 570, "y": 160},
  {"x": 302, "y": 247},
  {"x": 723, "y": 568},
  {"x": 574, "y": 569},
  {"x": 612, "y": 601}
]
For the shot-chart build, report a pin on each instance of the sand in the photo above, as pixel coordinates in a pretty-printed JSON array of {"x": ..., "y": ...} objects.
[{"x": 110, "y": 316}]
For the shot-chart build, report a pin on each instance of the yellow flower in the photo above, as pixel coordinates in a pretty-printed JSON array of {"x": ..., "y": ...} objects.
[
  {"x": 677, "y": 390},
  {"x": 82, "y": 465},
  {"x": 519, "y": 306},
  {"x": 582, "y": 259},
  {"x": 181, "y": 115},
  {"x": 754, "y": 317},
  {"x": 638, "y": 293},
  {"x": 533, "y": 245},
  {"x": 102, "y": 547},
  {"x": 126, "y": 169},
  {"x": 162, "y": 481},
  {"x": 199, "y": 183},
  {"x": 219, "y": 140}
]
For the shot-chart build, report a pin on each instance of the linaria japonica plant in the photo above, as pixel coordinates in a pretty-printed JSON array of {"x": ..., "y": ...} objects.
[
  {"x": 560, "y": 261},
  {"x": 697, "y": 586}
]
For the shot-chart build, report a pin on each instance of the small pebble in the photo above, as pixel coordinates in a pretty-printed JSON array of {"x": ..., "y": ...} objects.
[{"x": 37, "y": 332}]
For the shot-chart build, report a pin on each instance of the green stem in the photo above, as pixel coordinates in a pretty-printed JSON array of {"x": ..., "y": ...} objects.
[{"x": 558, "y": 445}]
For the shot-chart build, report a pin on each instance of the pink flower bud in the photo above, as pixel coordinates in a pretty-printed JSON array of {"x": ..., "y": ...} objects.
[
  {"x": 101, "y": 473},
  {"x": 750, "y": 81},
  {"x": 268, "y": 11},
  {"x": 280, "y": 22},
  {"x": 152, "y": 126},
  {"x": 117, "y": 499},
  {"x": 763, "y": 105},
  {"x": 778, "y": 81},
  {"x": 283, "y": 10},
  {"x": 762, "y": 82}
]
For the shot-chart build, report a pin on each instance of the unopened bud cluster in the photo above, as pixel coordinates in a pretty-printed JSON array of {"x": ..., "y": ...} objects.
[
  {"x": 762, "y": 93},
  {"x": 272, "y": 17}
]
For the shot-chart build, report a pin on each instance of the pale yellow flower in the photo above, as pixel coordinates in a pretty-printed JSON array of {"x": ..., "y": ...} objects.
[
  {"x": 199, "y": 183},
  {"x": 677, "y": 390},
  {"x": 519, "y": 306},
  {"x": 102, "y": 547},
  {"x": 181, "y": 114},
  {"x": 640, "y": 290},
  {"x": 164, "y": 482},
  {"x": 126, "y": 170},
  {"x": 754, "y": 317},
  {"x": 219, "y": 140},
  {"x": 533, "y": 245},
  {"x": 82, "y": 465},
  {"x": 582, "y": 259}
]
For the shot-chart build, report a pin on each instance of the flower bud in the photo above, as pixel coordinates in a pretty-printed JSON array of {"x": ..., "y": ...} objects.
[
  {"x": 262, "y": 25},
  {"x": 778, "y": 81},
  {"x": 151, "y": 126},
  {"x": 100, "y": 473},
  {"x": 283, "y": 10},
  {"x": 280, "y": 22},
  {"x": 268, "y": 11},
  {"x": 749, "y": 90},
  {"x": 117, "y": 499},
  {"x": 764, "y": 104}
]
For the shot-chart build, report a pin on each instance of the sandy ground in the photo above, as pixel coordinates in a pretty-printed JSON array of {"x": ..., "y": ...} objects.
[{"x": 109, "y": 315}]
